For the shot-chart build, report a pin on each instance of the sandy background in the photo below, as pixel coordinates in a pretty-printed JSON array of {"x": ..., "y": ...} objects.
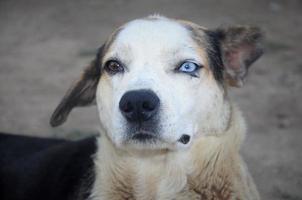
[{"x": 45, "y": 44}]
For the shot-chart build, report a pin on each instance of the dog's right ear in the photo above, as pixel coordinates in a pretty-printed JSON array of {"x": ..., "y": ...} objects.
[
  {"x": 82, "y": 93},
  {"x": 240, "y": 47}
]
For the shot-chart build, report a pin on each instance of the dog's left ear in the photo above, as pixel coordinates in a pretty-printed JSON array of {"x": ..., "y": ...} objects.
[
  {"x": 82, "y": 93},
  {"x": 240, "y": 47}
]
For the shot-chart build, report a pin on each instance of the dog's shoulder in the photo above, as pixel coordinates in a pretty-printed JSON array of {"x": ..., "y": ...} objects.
[{"x": 40, "y": 168}]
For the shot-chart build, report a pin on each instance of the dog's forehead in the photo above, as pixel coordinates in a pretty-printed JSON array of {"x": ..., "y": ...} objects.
[
  {"x": 154, "y": 35},
  {"x": 145, "y": 30}
]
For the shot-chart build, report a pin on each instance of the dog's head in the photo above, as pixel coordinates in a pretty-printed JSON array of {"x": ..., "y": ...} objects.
[{"x": 159, "y": 82}]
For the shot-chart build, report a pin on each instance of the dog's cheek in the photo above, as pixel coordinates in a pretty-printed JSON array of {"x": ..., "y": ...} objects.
[
  {"x": 104, "y": 104},
  {"x": 177, "y": 116},
  {"x": 112, "y": 122},
  {"x": 213, "y": 112}
]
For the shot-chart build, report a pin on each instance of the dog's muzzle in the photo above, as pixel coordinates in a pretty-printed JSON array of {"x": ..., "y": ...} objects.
[{"x": 140, "y": 108}]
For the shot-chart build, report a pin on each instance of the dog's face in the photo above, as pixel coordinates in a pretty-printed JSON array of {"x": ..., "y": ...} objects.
[
  {"x": 156, "y": 60},
  {"x": 160, "y": 83}
]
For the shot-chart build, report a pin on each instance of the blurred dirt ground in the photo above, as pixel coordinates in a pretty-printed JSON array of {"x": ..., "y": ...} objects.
[{"x": 44, "y": 45}]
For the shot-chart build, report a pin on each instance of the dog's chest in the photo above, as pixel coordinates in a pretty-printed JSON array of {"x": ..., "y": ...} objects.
[
  {"x": 175, "y": 187},
  {"x": 177, "y": 177},
  {"x": 215, "y": 184},
  {"x": 219, "y": 190}
]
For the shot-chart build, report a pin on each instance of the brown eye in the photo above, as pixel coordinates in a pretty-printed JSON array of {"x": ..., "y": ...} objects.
[{"x": 113, "y": 67}]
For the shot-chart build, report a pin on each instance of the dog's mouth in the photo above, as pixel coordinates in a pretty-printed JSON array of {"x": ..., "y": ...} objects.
[
  {"x": 150, "y": 137},
  {"x": 144, "y": 136}
]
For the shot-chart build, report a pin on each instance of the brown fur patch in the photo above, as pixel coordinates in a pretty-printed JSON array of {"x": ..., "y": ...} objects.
[
  {"x": 121, "y": 188},
  {"x": 208, "y": 45}
]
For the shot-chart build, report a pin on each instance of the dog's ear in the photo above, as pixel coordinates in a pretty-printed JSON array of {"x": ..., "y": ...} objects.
[
  {"x": 240, "y": 47},
  {"x": 82, "y": 93}
]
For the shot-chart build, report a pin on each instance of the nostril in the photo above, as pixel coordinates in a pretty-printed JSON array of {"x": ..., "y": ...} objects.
[
  {"x": 128, "y": 107},
  {"x": 148, "y": 106}
]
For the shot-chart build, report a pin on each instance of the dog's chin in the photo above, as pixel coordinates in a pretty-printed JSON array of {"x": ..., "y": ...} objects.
[{"x": 144, "y": 138}]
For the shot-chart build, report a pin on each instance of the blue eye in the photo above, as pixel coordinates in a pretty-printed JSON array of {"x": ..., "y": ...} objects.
[{"x": 189, "y": 68}]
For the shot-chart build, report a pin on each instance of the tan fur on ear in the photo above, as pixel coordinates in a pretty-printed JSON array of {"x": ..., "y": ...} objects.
[
  {"x": 240, "y": 46},
  {"x": 82, "y": 93}
]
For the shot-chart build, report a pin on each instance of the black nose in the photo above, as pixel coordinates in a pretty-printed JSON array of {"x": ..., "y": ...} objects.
[{"x": 139, "y": 105}]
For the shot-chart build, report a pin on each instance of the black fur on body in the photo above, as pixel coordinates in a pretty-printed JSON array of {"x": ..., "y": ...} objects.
[{"x": 34, "y": 168}]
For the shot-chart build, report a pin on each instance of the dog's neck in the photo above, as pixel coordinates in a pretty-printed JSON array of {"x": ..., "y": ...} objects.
[{"x": 170, "y": 174}]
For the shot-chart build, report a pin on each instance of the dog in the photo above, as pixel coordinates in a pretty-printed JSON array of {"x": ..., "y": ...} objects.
[{"x": 168, "y": 129}]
